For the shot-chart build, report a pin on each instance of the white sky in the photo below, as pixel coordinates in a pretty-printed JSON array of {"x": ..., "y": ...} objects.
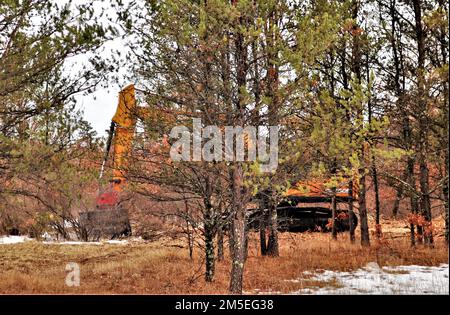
[{"x": 99, "y": 106}]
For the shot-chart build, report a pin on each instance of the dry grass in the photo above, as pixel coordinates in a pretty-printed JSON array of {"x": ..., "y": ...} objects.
[{"x": 158, "y": 268}]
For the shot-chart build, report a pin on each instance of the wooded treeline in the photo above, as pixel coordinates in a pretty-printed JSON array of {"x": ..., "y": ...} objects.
[{"x": 359, "y": 90}]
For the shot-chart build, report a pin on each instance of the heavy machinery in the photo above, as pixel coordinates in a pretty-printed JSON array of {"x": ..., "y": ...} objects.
[
  {"x": 293, "y": 216},
  {"x": 110, "y": 218}
]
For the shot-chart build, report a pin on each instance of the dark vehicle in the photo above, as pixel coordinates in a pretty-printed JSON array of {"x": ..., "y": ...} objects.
[
  {"x": 301, "y": 219},
  {"x": 293, "y": 218}
]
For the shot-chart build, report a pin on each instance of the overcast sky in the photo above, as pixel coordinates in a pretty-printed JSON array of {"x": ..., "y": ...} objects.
[{"x": 100, "y": 106}]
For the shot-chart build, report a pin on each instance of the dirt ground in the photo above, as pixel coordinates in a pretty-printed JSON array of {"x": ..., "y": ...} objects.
[{"x": 164, "y": 266}]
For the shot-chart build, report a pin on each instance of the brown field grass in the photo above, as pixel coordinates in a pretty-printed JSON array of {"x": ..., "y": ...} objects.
[{"x": 163, "y": 267}]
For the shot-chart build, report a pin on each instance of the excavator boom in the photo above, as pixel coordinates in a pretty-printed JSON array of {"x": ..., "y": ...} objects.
[
  {"x": 125, "y": 124},
  {"x": 110, "y": 219}
]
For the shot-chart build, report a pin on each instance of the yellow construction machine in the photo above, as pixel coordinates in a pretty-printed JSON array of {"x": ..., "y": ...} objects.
[{"x": 110, "y": 219}]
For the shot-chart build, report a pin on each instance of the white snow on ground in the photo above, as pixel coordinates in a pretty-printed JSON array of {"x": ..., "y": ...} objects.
[
  {"x": 259, "y": 292},
  {"x": 70, "y": 243},
  {"x": 118, "y": 242},
  {"x": 12, "y": 239},
  {"x": 387, "y": 280}
]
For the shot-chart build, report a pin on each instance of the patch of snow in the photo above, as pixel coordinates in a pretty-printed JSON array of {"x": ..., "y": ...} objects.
[
  {"x": 47, "y": 237},
  {"x": 372, "y": 279},
  {"x": 67, "y": 224},
  {"x": 72, "y": 243},
  {"x": 259, "y": 292},
  {"x": 117, "y": 242},
  {"x": 13, "y": 239},
  {"x": 372, "y": 266}
]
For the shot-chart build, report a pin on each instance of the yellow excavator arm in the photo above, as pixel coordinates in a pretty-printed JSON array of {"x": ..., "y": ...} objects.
[
  {"x": 122, "y": 130},
  {"x": 121, "y": 136}
]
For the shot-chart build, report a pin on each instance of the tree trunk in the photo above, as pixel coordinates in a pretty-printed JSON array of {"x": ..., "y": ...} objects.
[
  {"x": 238, "y": 207},
  {"x": 220, "y": 253},
  {"x": 188, "y": 230},
  {"x": 423, "y": 122},
  {"x": 445, "y": 189},
  {"x": 377, "y": 198},
  {"x": 445, "y": 192},
  {"x": 262, "y": 226},
  {"x": 351, "y": 212},
  {"x": 230, "y": 241},
  {"x": 365, "y": 239},
  {"x": 333, "y": 215},
  {"x": 262, "y": 238},
  {"x": 398, "y": 198},
  {"x": 356, "y": 69},
  {"x": 209, "y": 232},
  {"x": 444, "y": 53},
  {"x": 426, "y": 206},
  {"x": 209, "y": 253},
  {"x": 373, "y": 167},
  {"x": 413, "y": 198},
  {"x": 190, "y": 242},
  {"x": 246, "y": 244},
  {"x": 272, "y": 94},
  {"x": 272, "y": 245},
  {"x": 238, "y": 233}
]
